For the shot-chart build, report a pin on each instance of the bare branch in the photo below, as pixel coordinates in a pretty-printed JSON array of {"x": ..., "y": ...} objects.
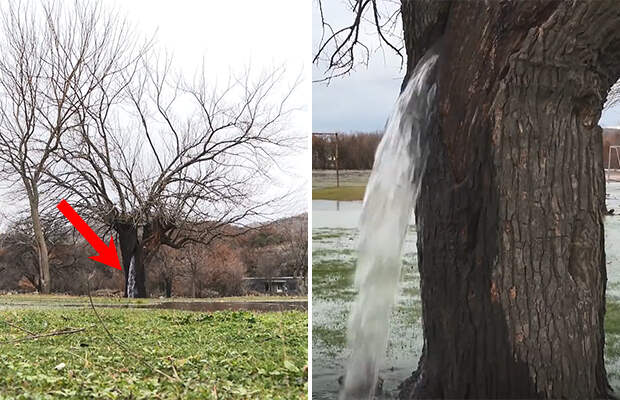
[{"x": 341, "y": 49}]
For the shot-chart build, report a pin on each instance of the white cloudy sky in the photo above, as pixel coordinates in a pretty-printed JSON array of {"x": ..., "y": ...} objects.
[{"x": 362, "y": 101}]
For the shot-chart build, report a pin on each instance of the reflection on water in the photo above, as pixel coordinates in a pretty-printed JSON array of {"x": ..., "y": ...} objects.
[{"x": 335, "y": 214}]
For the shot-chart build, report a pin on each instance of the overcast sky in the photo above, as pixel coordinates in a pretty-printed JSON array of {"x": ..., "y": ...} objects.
[{"x": 362, "y": 101}]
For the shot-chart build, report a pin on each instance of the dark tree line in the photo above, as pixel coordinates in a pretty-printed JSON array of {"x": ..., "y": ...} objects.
[
  {"x": 69, "y": 262},
  {"x": 275, "y": 249},
  {"x": 355, "y": 151}
]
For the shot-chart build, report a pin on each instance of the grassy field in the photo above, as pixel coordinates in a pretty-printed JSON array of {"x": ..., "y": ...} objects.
[
  {"x": 352, "y": 185},
  {"x": 221, "y": 355},
  {"x": 342, "y": 193},
  {"x": 51, "y": 299}
]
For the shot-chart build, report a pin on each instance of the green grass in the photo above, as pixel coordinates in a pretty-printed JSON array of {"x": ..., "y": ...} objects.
[
  {"x": 52, "y": 299},
  {"x": 223, "y": 355},
  {"x": 612, "y": 318},
  {"x": 319, "y": 235},
  {"x": 334, "y": 339},
  {"x": 340, "y": 253},
  {"x": 342, "y": 193},
  {"x": 612, "y": 330},
  {"x": 332, "y": 278}
]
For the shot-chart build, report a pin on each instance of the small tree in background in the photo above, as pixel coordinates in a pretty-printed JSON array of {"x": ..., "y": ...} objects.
[{"x": 51, "y": 57}]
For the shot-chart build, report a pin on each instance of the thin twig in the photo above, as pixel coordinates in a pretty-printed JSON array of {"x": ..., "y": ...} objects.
[
  {"x": 19, "y": 328},
  {"x": 121, "y": 344},
  {"x": 173, "y": 368},
  {"x": 56, "y": 333}
]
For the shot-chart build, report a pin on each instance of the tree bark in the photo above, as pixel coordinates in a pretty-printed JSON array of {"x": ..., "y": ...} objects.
[
  {"x": 168, "y": 287},
  {"x": 131, "y": 249},
  {"x": 510, "y": 214},
  {"x": 41, "y": 246}
]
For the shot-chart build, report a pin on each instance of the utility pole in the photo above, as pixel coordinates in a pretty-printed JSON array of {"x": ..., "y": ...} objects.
[{"x": 335, "y": 134}]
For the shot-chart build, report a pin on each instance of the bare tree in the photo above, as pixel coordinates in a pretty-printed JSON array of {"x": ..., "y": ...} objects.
[
  {"x": 297, "y": 241},
  {"x": 224, "y": 270},
  {"x": 355, "y": 150},
  {"x": 51, "y": 59},
  {"x": 21, "y": 254},
  {"x": 193, "y": 263},
  {"x": 166, "y": 269},
  {"x": 189, "y": 161},
  {"x": 21, "y": 248}
]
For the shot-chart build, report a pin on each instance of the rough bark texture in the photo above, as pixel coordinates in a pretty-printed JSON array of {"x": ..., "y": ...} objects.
[{"x": 510, "y": 215}]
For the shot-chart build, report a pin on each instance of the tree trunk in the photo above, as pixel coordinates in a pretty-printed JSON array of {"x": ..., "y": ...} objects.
[
  {"x": 131, "y": 251},
  {"x": 41, "y": 246},
  {"x": 168, "y": 287},
  {"x": 510, "y": 214}
]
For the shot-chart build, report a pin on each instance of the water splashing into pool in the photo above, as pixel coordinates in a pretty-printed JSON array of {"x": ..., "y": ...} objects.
[{"x": 390, "y": 196}]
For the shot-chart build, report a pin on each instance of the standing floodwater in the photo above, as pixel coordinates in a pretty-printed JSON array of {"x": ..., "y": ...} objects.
[{"x": 391, "y": 193}]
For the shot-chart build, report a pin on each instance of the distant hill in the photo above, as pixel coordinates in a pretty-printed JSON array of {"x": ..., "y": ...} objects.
[{"x": 277, "y": 248}]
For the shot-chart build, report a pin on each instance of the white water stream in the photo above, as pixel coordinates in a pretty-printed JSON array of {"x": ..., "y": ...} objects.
[
  {"x": 132, "y": 290},
  {"x": 390, "y": 196}
]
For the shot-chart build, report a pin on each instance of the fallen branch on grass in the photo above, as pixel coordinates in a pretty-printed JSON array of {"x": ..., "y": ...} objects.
[
  {"x": 55, "y": 333},
  {"x": 122, "y": 345},
  {"x": 19, "y": 328}
]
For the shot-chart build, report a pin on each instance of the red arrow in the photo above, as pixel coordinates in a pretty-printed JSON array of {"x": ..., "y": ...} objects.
[{"x": 107, "y": 254}]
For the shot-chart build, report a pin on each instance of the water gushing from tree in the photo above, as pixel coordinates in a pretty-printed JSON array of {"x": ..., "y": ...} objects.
[
  {"x": 132, "y": 291},
  {"x": 390, "y": 196}
]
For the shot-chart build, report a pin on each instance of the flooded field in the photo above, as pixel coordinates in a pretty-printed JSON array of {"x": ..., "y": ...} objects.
[
  {"x": 332, "y": 273},
  {"x": 334, "y": 240},
  {"x": 250, "y": 303},
  {"x": 327, "y": 177}
]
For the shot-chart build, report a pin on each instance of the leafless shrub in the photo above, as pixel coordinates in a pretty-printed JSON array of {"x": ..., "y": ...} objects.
[{"x": 224, "y": 271}]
